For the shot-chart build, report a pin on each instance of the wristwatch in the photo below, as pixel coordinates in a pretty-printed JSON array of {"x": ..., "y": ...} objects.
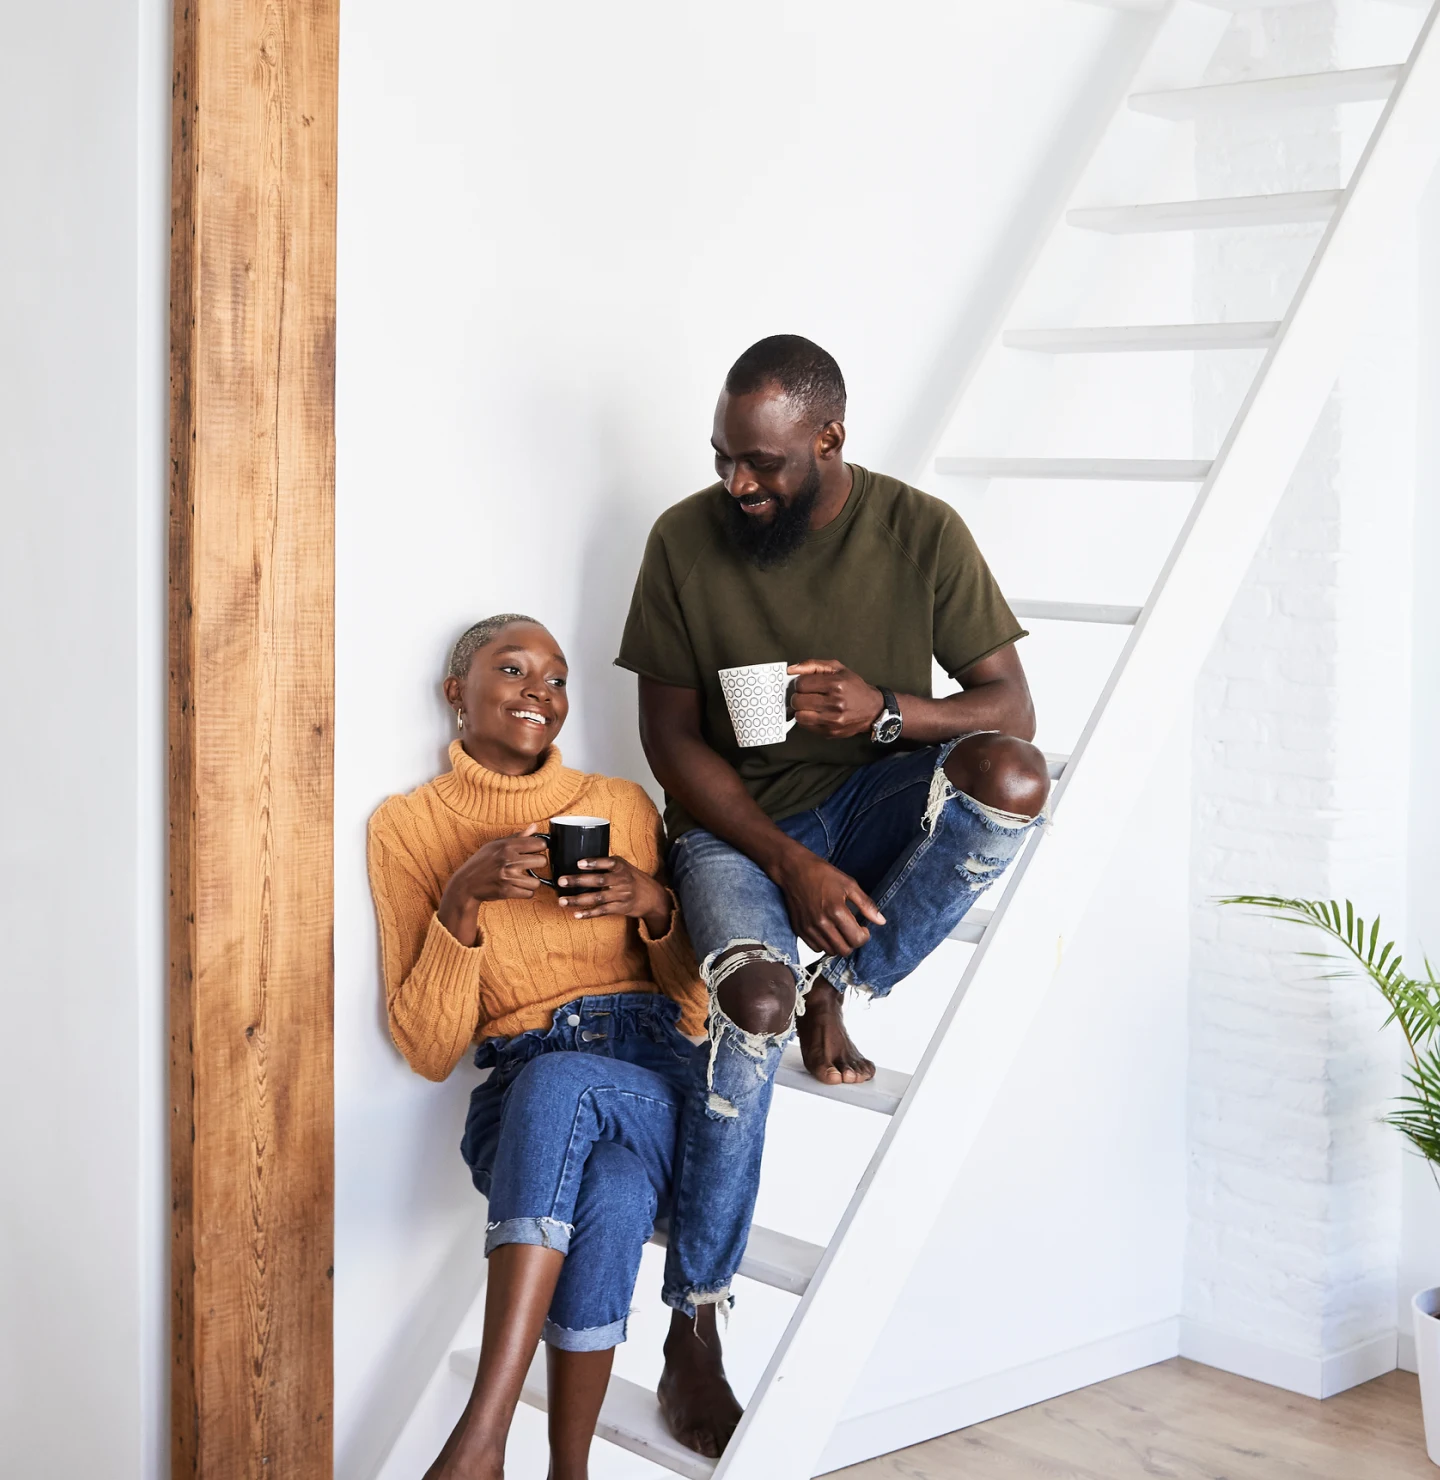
[{"x": 886, "y": 729}]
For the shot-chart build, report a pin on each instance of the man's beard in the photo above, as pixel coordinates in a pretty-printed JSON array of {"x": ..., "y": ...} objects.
[{"x": 773, "y": 542}]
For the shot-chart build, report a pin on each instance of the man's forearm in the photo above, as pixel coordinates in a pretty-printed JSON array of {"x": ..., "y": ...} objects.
[
  {"x": 987, "y": 706},
  {"x": 710, "y": 789}
]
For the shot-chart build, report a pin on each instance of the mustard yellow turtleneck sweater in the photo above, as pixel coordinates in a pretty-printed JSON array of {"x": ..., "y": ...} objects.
[{"x": 531, "y": 956}]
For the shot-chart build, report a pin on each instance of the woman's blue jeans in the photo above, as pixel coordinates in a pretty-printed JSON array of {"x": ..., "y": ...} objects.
[{"x": 572, "y": 1138}]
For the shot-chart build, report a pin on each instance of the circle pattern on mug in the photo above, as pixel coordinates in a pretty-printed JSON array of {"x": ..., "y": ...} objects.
[{"x": 755, "y": 697}]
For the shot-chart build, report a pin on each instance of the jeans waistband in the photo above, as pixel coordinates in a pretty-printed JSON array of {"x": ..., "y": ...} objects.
[{"x": 618, "y": 1013}]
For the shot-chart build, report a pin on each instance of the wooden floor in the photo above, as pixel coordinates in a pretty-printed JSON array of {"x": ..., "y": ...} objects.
[{"x": 1186, "y": 1422}]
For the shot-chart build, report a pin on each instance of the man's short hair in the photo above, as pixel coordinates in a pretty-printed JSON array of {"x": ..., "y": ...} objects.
[
  {"x": 472, "y": 639},
  {"x": 807, "y": 374}
]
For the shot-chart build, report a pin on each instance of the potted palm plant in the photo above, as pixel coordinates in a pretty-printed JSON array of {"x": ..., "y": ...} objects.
[{"x": 1414, "y": 1002}]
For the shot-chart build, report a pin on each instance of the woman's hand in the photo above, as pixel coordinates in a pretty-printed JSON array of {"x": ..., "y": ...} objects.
[
  {"x": 496, "y": 870},
  {"x": 623, "y": 889}
]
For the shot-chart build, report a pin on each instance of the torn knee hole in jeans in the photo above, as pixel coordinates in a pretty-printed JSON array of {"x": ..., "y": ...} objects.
[
  {"x": 942, "y": 790},
  {"x": 739, "y": 954}
]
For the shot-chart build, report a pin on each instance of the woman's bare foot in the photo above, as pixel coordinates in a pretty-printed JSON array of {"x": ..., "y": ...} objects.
[
  {"x": 452, "y": 1464},
  {"x": 699, "y": 1408},
  {"x": 825, "y": 1046}
]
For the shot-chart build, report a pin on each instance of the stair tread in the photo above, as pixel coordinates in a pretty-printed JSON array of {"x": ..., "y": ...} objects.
[
  {"x": 1287, "y": 207},
  {"x": 1075, "y": 611},
  {"x": 629, "y": 1416},
  {"x": 972, "y": 927},
  {"x": 1304, "y": 89},
  {"x": 882, "y": 1094},
  {"x": 773, "y": 1258},
  {"x": 1057, "y": 761},
  {"x": 1095, "y": 469},
  {"x": 1123, "y": 338}
]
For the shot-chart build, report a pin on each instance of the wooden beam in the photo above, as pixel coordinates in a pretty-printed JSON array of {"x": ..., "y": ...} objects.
[{"x": 251, "y": 736}]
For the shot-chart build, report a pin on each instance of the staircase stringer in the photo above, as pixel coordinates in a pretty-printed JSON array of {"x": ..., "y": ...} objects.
[{"x": 903, "y": 1191}]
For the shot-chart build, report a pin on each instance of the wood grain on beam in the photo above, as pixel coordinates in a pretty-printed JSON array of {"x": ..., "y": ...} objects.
[{"x": 251, "y": 724}]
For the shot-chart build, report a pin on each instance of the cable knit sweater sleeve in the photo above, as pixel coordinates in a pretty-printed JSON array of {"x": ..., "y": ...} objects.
[
  {"x": 672, "y": 957},
  {"x": 432, "y": 982}
]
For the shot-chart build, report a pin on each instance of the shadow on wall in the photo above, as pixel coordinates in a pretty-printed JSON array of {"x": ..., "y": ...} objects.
[
  {"x": 417, "y": 1346},
  {"x": 610, "y": 560},
  {"x": 938, "y": 392}
]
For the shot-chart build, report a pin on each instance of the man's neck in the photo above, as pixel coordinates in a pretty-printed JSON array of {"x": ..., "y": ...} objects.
[{"x": 834, "y": 494}]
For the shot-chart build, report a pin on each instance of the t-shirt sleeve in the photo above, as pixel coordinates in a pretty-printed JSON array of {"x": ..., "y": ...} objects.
[
  {"x": 656, "y": 642},
  {"x": 972, "y": 618}
]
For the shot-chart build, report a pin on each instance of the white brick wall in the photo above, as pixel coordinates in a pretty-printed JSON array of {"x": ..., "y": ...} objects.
[{"x": 1299, "y": 789}]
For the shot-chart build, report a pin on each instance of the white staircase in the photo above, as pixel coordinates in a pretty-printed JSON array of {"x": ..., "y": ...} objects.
[{"x": 845, "y": 1292}]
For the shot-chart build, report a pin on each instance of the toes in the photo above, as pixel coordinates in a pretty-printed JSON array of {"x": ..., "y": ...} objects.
[{"x": 702, "y": 1441}]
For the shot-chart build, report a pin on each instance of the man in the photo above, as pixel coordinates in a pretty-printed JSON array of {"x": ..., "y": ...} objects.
[{"x": 869, "y": 831}]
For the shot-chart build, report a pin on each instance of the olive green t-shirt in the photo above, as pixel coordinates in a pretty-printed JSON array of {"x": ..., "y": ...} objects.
[{"x": 893, "y": 579}]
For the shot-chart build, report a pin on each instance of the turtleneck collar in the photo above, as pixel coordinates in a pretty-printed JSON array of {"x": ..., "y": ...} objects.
[{"x": 487, "y": 796}]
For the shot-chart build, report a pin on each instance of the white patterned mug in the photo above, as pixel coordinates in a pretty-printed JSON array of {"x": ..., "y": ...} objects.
[{"x": 758, "y": 698}]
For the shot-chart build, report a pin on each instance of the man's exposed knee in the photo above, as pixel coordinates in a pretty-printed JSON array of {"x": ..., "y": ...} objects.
[
  {"x": 759, "y": 997},
  {"x": 1001, "y": 771}
]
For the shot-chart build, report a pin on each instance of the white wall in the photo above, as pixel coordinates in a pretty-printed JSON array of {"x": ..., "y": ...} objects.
[
  {"x": 1302, "y": 765},
  {"x": 558, "y": 225},
  {"x": 1420, "y": 1227},
  {"x": 84, "y": 110}
]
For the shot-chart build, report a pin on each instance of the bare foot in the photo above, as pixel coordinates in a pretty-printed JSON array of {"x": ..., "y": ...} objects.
[
  {"x": 699, "y": 1408},
  {"x": 453, "y": 1464},
  {"x": 825, "y": 1046}
]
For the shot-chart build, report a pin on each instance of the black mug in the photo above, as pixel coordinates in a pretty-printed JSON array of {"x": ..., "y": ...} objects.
[{"x": 569, "y": 840}]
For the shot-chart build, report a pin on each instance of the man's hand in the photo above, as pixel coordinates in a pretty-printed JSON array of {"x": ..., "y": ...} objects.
[
  {"x": 832, "y": 701},
  {"x": 822, "y": 902},
  {"x": 620, "y": 889},
  {"x": 496, "y": 870}
]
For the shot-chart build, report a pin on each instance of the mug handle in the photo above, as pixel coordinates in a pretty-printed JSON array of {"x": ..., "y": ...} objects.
[
  {"x": 790, "y": 681},
  {"x": 544, "y": 837}
]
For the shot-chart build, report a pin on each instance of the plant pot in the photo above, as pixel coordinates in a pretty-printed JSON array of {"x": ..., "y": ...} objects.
[{"x": 1425, "y": 1308}]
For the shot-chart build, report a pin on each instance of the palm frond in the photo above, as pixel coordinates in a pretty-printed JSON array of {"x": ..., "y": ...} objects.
[
  {"x": 1414, "y": 1004},
  {"x": 1417, "y": 1115}
]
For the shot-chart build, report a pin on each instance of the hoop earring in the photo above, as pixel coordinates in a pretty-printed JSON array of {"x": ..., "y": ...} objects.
[{"x": 459, "y": 719}]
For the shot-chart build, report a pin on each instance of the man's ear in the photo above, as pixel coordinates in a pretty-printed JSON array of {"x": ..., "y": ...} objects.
[{"x": 830, "y": 440}]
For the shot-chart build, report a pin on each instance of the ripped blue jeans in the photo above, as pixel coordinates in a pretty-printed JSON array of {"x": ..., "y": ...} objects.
[{"x": 924, "y": 852}]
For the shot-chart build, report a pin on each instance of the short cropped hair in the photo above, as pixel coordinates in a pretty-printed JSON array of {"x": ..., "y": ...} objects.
[
  {"x": 472, "y": 639},
  {"x": 807, "y": 374}
]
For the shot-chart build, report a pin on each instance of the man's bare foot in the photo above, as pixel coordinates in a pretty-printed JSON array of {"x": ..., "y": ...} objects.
[
  {"x": 699, "y": 1408},
  {"x": 825, "y": 1046}
]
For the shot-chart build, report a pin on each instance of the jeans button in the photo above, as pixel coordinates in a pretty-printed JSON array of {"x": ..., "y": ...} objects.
[{"x": 573, "y": 1020}]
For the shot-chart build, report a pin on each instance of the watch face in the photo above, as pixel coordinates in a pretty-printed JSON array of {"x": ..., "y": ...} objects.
[{"x": 887, "y": 731}]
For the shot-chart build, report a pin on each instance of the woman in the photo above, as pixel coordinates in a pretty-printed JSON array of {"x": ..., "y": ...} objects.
[{"x": 574, "y": 1149}]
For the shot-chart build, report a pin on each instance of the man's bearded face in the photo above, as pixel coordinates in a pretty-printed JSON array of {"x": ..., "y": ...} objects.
[{"x": 769, "y": 542}]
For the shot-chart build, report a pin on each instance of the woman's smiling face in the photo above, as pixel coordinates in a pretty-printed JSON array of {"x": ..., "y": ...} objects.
[{"x": 512, "y": 702}]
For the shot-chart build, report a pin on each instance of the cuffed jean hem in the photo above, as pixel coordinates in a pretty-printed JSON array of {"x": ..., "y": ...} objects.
[
  {"x": 685, "y": 1301},
  {"x": 548, "y": 1233},
  {"x": 591, "y": 1339}
]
